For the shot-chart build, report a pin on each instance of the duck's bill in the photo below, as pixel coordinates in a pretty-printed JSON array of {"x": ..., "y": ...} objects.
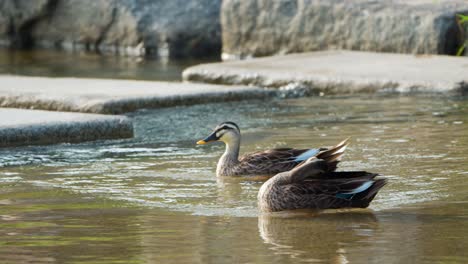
[{"x": 208, "y": 139}]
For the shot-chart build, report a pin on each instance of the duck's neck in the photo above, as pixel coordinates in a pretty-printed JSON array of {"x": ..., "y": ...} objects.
[
  {"x": 230, "y": 157},
  {"x": 271, "y": 194}
]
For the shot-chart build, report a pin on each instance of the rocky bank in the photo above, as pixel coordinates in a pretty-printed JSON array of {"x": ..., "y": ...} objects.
[
  {"x": 254, "y": 28},
  {"x": 167, "y": 29},
  {"x": 244, "y": 28}
]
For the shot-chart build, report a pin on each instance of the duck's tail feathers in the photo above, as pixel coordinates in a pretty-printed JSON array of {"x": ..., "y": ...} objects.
[
  {"x": 333, "y": 155},
  {"x": 364, "y": 198}
]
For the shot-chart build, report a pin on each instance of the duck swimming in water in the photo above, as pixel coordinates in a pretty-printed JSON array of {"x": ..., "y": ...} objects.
[
  {"x": 315, "y": 185},
  {"x": 263, "y": 163}
]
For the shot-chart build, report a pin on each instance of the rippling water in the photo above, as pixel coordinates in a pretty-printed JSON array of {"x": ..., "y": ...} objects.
[{"x": 155, "y": 198}]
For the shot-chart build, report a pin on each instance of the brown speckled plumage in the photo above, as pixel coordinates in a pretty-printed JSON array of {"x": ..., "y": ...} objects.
[
  {"x": 265, "y": 163},
  {"x": 262, "y": 163},
  {"x": 312, "y": 185}
]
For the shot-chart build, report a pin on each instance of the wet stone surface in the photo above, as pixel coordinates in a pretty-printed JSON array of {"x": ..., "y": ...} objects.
[
  {"x": 341, "y": 72},
  {"x": 113, "y": 96},
  {"x": 32, "y": 127}
]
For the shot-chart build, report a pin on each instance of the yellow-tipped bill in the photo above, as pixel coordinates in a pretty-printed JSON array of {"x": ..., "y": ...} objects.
[{"x": 209, "y": 138}]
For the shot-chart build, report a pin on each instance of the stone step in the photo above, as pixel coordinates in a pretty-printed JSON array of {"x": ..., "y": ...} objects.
[
  {"x": 19, "y": 127},
  {"x": 112, "y": 96},
  {"x": 341, "y": 72}
]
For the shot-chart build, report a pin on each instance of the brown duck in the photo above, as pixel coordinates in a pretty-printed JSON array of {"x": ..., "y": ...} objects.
[
  {"x": 263, "y": 163},
  {"x": 315, "y": 185}
]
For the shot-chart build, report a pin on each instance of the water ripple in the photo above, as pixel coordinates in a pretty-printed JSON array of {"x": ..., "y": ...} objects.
[{"x": 162, "y": 167}]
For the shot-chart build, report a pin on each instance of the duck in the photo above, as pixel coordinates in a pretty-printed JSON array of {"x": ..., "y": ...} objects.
[
  {"x": 314, "y": 184},
  {"x": 262, "y": 163}
]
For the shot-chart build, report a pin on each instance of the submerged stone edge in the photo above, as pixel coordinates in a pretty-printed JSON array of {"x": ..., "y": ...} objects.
[
  {"x": 117, "y": 127},
  {"x": 119, "y": 106},
  {"x": 122, "y": 104}
]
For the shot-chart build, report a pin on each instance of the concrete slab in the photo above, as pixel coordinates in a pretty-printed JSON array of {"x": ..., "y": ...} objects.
[
  {"x": 111, "y": 96},
  {"x": 20, "y": 127},
  {"x": 341, "y": 72}
]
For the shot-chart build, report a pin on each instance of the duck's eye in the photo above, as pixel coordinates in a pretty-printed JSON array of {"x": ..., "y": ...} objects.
[
  {"x": 222, "y": 128},
  {"x": 228, "y": 127}
]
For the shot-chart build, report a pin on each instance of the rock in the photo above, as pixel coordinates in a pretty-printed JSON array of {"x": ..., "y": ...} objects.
[
  {"x": 17, "y": 17},
  {"x": 89, "y": 25},
  {"x": 21, "y": 127},
  {"x": 112, "y": 96},
  {"x": 341, "y": 72},
  {"x": 179, "y": 28},
  {"x": 464, "y": 28},
  {"x": 168, "y": 29},
  {"x": 253, "y": 28}
]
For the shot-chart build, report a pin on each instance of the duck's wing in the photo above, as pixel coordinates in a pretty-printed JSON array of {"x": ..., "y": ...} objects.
[
  {"x": 272, "y": 161},
  {"x": 340, "y": 190},
  {"x": 332, "y": 155},
  {"x": 279, "y": 154},
  {"x": 319, "y": 165},
  {"x": 278, "y": 160}
]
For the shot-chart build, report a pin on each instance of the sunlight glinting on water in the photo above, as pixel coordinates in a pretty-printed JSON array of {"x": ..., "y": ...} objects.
[{"x": 162, "y": 167}]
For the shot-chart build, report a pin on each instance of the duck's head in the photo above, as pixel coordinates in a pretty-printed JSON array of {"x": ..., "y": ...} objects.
[{"x": 226, "y": 132}]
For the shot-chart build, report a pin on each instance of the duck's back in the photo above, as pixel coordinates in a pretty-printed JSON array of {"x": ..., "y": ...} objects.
[
  {"x": 332, "y": 191},
  {"x": 270, "y": 162},
  {"x": 340, "y": 190},
  {"x": 274, "y": 161}
]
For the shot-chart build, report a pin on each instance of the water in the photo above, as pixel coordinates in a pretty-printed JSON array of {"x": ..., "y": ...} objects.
[
  {"x": 155, "y": 198},
  {"x": 89, "y": 65}
]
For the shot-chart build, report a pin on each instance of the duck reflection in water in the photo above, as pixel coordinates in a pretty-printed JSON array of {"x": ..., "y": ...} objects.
[{"x": 309, "y": 236}]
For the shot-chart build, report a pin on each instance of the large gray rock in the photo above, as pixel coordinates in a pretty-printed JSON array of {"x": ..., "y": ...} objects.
[
  {"x": 17, "y": 17},
  {"x": 112, "y": 96},
  {"x": 464, "y": 28},
  {"x": 176, "y": 28},
  {"x": 341, "y": 72},
  {"x": 20, "y": 127},
  {"x": 252, "y": 28},
  {"x": 88, "y": 24}
]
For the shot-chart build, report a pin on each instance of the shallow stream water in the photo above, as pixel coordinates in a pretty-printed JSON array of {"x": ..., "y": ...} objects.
[
  {"x": 155, "y": 198},
  {"x": 89, "y": 65}
]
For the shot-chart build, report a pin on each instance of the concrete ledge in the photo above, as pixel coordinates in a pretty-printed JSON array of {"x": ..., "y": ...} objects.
[
  {"x": 341, "y": 72},
  {"x": 112, "y": 96},
  {"x": 20, "y": 127}
]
